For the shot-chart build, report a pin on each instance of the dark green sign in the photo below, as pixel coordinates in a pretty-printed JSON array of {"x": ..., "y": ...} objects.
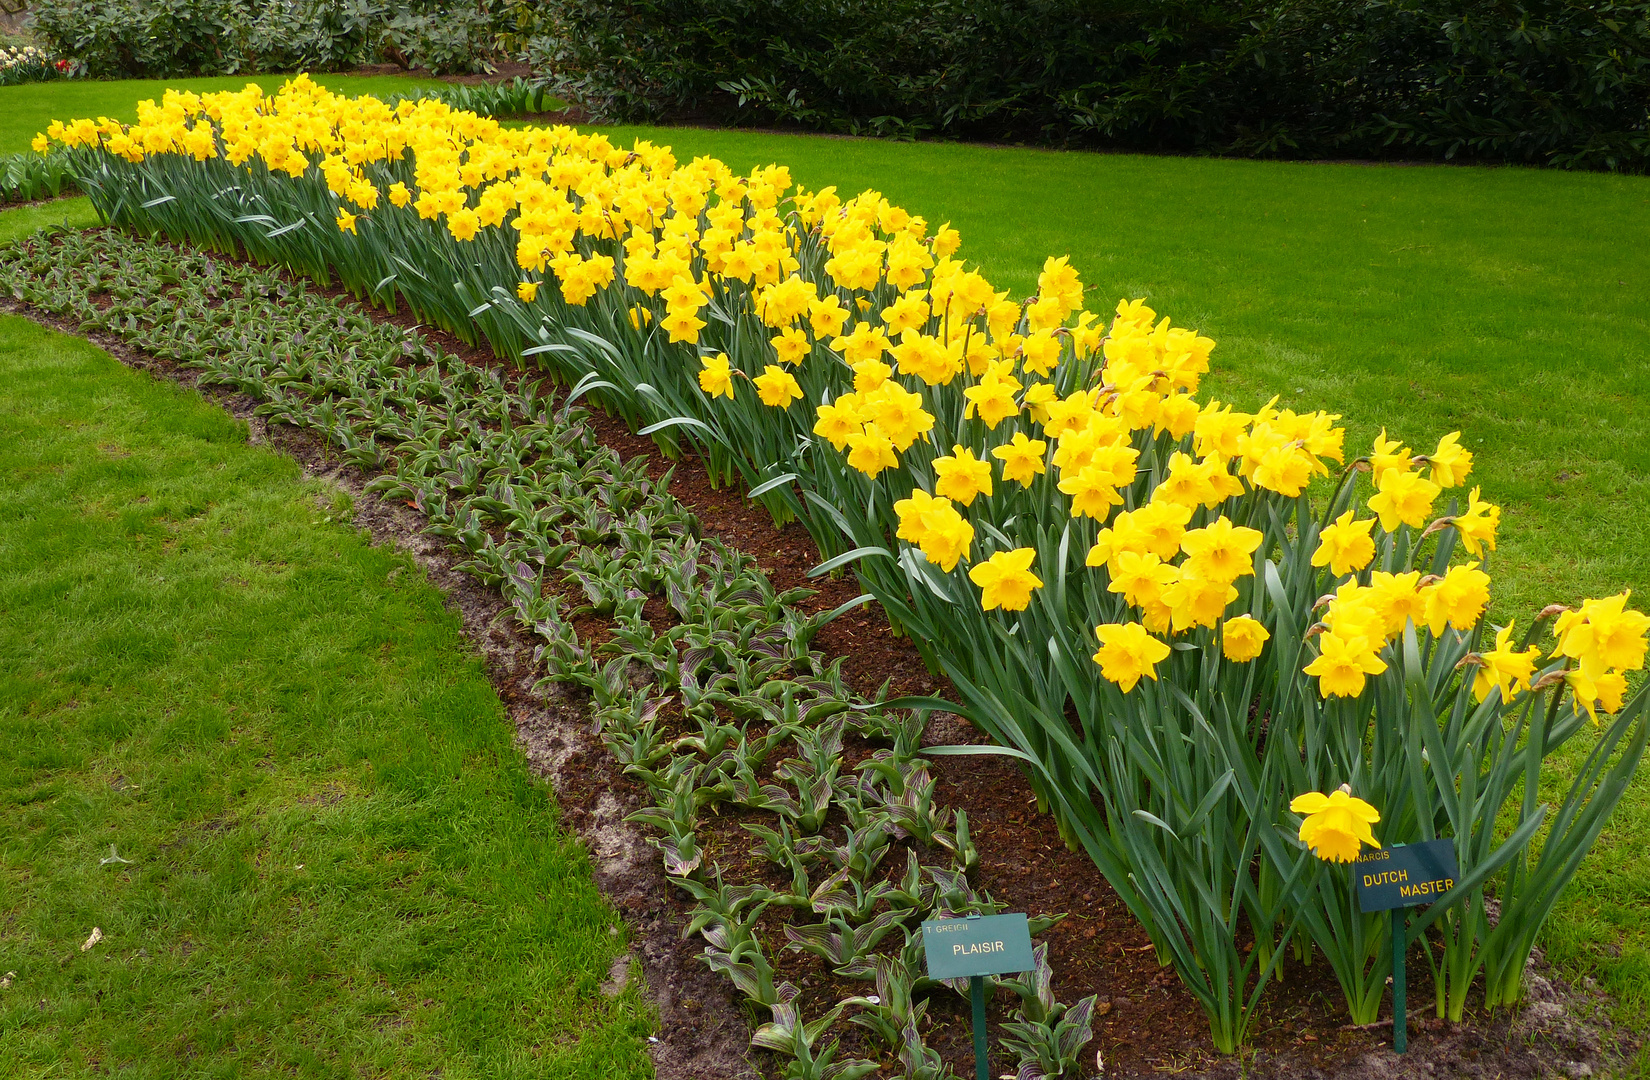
[
  {"x": 971, "y": 949},
  {"x": 980, "y": 945},
  {"x": 1405, "y": 875}
]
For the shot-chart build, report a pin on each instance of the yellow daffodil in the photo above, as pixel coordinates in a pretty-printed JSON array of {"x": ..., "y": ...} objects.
[
  {"x": 869, "y": 375},
  {"x": 1478, "y": 525},
  {"x": 864, "y": 343},
  {"x": 1605, "y": 692},
  {"x": 1337, "y": 825},
  {"x": 1343, "y": 664},
  {"x": 1092, "y": 492},
  {"x": 1006, "y": 580},
  {"x": 1243, "y": 638},
  {"x": 1140, "y": 577},
  {"x": 463, "y": 224},
  {"x": 962, "y": 476},
  {"x": 716, "y": 375},
  {"x": 1127, "y": 653},
  {"x": 1162, "y": 526},
  {"x": 791, "y": 345},
  {"x": 1603, "y": 635},
  {"x": 1219, "y": 429},
  {"x": 1022, "y": 458},
  {"x": 837, "y": 422},
  {"x": 993, "y": 400},
  {"x": 1398, "y": 599},
  {"x": 1220, "y": 550},
  {"x": 946, "y": 535},
  {"x": 1346, "y": 545},
  {"x": 871, "y": 451},
  {"x": 1504, "y": 668},
  {"x": 910, "y": 512},
  {"x": 1458, "y": 600},
  {"x": 826, "y": 316},
  {"x": 1451, "y": 462},
  {"x": 898, "y": 413},
  {"x": 1388, "y": 454},
  {"x": 683, "y": 326},
  {"x": 1403, "y": 498},
  {"x": 1194, "y": 600},
  {"x": 776, "y": 386}
]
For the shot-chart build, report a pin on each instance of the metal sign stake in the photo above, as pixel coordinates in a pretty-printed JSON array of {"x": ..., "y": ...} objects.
[
  {"x": 976, "y": 994},
  {"x": 1400, "y": 1018}
]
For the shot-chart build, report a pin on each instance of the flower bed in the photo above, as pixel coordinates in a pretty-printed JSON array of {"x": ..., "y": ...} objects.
[
  {"x": 28, "y": 63},
  {"x": 1133, "y": 591},
  {"x": 569, "y": 533}
]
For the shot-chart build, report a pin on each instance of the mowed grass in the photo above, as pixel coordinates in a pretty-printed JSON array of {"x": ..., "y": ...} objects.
[
  {"x": 1510, "y": 304},
  {"x": 252, "y": 751}
]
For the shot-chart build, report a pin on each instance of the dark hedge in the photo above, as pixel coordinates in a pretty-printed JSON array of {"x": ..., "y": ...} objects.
[
  {"x": 157, "y": 38},
  {"x": 1543, "y": 81}
]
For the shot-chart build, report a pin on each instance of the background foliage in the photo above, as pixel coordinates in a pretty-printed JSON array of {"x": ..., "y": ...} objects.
[
  {"x": 211, "y": 37},
  {"x": 1555, "y": 81}
]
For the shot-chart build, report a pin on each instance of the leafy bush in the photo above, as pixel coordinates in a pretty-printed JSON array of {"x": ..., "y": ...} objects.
[
  {"x": 206, "y": 37},
  {"x": 518, "y": 97},
  {"x": 1558, "y": 81}
]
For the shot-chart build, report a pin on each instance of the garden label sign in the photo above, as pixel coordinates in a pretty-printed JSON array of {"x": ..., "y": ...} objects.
[
  {"x": 1395, "y": 878},
  {"x": 971, "y": 949}
]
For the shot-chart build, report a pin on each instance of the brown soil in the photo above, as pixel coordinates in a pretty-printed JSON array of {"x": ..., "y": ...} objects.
[{"x": 1146, "y": 1024}]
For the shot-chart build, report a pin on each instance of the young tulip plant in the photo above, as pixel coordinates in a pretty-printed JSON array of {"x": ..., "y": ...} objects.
[{"x": 1131, "y": 589}]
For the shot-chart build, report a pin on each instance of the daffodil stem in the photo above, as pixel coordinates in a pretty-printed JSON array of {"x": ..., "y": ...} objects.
[{"x": 1400, "y": 1020}]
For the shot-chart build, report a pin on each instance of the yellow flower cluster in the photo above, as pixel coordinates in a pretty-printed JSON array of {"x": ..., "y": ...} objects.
[
  {"x": 1604, "y": 638},
  {"x": 1043, "y": 399},
  {"x": 1364, "y": 616}
]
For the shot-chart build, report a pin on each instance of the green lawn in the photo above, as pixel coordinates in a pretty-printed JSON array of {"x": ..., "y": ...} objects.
[
  {"x": 337, "y": 863},
  {"x": 1512, "y": 304}
]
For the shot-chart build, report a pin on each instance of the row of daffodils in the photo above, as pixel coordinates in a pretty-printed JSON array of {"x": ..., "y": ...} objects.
[{"x": 1219, "y": 684}]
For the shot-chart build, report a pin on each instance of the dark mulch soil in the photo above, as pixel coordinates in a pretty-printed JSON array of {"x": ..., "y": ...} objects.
[{"x": 1146, "y": 1024}]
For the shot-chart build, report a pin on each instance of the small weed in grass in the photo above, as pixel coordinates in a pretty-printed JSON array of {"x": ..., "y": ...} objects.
[{"x": 249, "y": 749}]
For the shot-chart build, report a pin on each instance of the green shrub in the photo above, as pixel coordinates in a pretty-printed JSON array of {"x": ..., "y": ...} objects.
[
  {"x": 1556, "y": 81},
  {"x": 209, "y": 37}
]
